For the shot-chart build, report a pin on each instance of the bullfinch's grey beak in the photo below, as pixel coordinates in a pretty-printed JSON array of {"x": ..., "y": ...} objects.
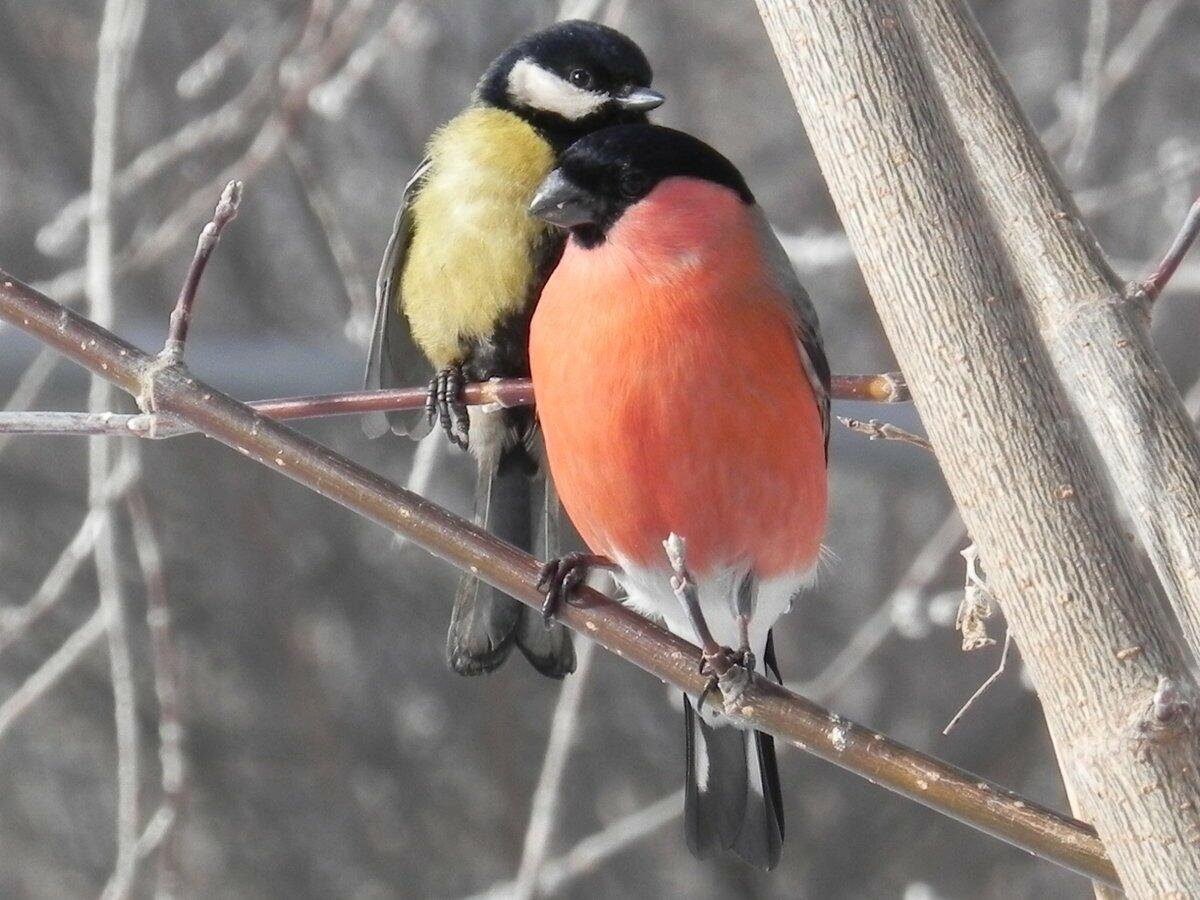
[
  {"x": 560, "y": 202},
  {"x": 640, "y": 99}
]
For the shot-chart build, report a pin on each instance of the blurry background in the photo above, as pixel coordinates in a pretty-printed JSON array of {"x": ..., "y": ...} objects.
[{"x": 328, "y": 750}]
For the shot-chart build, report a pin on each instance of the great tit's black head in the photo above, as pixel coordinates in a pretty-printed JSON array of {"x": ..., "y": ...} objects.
[
  {"x": 603, "y": 174},
  {"x": 571, "y": 78}
]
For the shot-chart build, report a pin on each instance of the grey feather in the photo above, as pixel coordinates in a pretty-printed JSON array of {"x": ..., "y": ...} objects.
[
  {"x": 483, "y": 622},
  {"x": 394, "y": 359},
  {"x": 808, "y": 328},
  {"x": 549, "y": 650}
]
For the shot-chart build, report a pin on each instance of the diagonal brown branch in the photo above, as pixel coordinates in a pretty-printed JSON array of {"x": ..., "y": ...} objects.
[{"x": 801, "y": 723}]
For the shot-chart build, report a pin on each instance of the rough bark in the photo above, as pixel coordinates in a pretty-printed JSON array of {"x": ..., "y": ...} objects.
[
  {"x": 988, "y": 396},
  {"x": 1097, "y": 340}
]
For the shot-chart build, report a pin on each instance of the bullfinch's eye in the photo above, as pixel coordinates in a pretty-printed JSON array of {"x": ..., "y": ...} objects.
[
  {"x": 633, "y": 184},
  {"x": 581, "y": 78}
]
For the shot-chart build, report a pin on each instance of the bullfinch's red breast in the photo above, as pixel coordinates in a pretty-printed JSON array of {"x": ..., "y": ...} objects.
[{"x": 682, "y": 388}]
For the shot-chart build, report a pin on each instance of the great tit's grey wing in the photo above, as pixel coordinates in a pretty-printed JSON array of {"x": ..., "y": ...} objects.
[
  {"x": 808, "y": 329},
  {"x": 394, "y": 359}
]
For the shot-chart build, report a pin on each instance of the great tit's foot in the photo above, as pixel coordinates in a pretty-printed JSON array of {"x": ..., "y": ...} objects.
[
  {"x": 444, "y": 405},
  {"x": 559, "y": 578}
]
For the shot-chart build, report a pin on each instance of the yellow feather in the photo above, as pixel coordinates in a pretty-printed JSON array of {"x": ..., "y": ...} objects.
[{"x": 471, "y": 257}]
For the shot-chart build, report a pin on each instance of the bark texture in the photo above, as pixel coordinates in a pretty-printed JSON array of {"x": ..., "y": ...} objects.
[
  {"x": 986, "y": 390},
  {"x": 1096, "y": 338}
]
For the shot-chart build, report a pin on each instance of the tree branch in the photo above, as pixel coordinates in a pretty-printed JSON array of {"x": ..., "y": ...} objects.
[
  {"x": 888, "y": 387},
  {"x": 988, "y": 395},
  {"x": 1152, "y": 285},
  {"x": 803, "y": 724},
  {"x": 1115, "y": 380}
]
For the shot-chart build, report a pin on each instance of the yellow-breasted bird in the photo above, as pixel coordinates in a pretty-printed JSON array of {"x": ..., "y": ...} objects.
[{"x": 460, "y": 277}]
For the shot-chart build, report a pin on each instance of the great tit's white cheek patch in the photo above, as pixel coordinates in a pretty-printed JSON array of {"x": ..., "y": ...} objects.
[{"x": 531, "y": 85}]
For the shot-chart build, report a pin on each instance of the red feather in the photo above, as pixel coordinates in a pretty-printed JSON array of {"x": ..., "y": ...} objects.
[{"x": 672, "y": 394}]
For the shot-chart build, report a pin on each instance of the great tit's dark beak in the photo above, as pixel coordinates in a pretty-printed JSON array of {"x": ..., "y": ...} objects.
[
  {"x": 560, "y": 202},
  {"x": 639, "y": 99}
]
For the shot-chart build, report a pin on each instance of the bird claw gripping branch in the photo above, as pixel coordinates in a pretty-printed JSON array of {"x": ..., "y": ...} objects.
[
  {"x": 559, "y": 578},
  {"x": 444, "y": 405}
]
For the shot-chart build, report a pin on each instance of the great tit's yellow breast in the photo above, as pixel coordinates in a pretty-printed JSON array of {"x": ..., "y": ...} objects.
[{"x": 472, "y": 256}]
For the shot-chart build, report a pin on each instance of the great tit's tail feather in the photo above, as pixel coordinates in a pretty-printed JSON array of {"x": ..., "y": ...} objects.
[
  {"x": 483, "y": 623},
  {"x": 549, "y": 650}
]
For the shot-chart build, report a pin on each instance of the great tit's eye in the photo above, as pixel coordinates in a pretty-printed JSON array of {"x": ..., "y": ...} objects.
[
  {"x": 581, "y": 78},
  {"x": 633, "y": 184}
]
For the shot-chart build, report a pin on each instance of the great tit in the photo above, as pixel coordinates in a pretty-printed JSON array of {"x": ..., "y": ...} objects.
[
  {"x": 461, "y": 273},
  {"x": 675, "y": 303}
]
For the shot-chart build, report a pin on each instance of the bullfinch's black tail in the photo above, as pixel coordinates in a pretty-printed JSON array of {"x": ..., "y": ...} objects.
[
  {"x": 732, "y": 798},
  {"x": 486, "y": 624}
]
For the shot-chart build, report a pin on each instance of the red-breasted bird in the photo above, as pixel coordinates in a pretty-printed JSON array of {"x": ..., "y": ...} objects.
[
  {"x": 682, "y": 388},
  {"x": 461, "y": 273}
]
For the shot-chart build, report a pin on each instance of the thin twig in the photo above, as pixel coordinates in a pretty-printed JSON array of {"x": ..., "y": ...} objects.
[
  {"x": 325, "y": 212},
  {"x": 763, "y": 705},
  {"x": 991, "y": 679},
  {"x": 1153, "y": 284},
  {"x": 1121, "y": 64},
  {"x": 210, "y": 234},
  {"x": 1091, "y": 91},
  {"x": 59, "y": 663},
  {"x": 509, "y": 392},
  {"x": 120, "y": 29},
  {"x": 166, "y": 687},
  {"x": 407, "y": 26},
  {"x": 876, "y": 430},
  {"x": 544, "y": 806},
  {"x": 14, "y": 622},
  {"x": 589, "y": 853},
  {"x": 198, "y": 78},
  {"x": 926, "y": 565},
  {"x": 29, "y": 385},
  {"x": 300, "y": 71}
]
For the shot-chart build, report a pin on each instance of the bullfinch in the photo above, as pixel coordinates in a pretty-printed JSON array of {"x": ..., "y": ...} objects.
[
  {"x": 463, "y": 268},
  {"x": 682, "y": 388}
]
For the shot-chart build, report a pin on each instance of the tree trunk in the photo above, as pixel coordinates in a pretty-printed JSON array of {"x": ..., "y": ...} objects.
[
  {"x": 1095, "y": 642},
  {"x": 1096, "y": 338}
]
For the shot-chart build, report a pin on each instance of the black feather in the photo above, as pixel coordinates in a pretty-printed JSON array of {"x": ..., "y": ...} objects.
[{"x": 714, "y": 803}]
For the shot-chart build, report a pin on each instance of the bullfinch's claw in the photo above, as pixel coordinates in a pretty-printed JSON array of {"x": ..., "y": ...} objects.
[
  {"x": 730, "y": 670},
  {"x": 442, "y": 404},
  {"x": 559, "y": 578}
]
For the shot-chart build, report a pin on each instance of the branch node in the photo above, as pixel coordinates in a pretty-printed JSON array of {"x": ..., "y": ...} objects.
[
  {"x": 1146, "y": 291},
  {"x": 1168, "y": 714}
]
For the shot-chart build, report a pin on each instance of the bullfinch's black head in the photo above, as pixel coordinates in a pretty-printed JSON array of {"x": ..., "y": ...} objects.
[
  {"x": 603, "y": 174},
  {"x": 571, "y": 78}
]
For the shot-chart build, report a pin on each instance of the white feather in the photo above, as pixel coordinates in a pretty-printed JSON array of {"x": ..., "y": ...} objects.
[
  {"x": 531, "y": 85},
  {"x": 648, "y": 591}
]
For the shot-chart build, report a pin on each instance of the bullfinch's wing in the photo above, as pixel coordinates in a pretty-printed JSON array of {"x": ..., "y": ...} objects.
[
  {"x": 808, "y": 329},
  {"x": 394, "y": 359}
]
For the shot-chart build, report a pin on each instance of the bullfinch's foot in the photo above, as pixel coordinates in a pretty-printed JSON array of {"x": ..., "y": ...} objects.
[
  {"x": 727, "y": 669},
  {"x": 443, "y": 404},
  {"x": 559, "y": 578}
]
